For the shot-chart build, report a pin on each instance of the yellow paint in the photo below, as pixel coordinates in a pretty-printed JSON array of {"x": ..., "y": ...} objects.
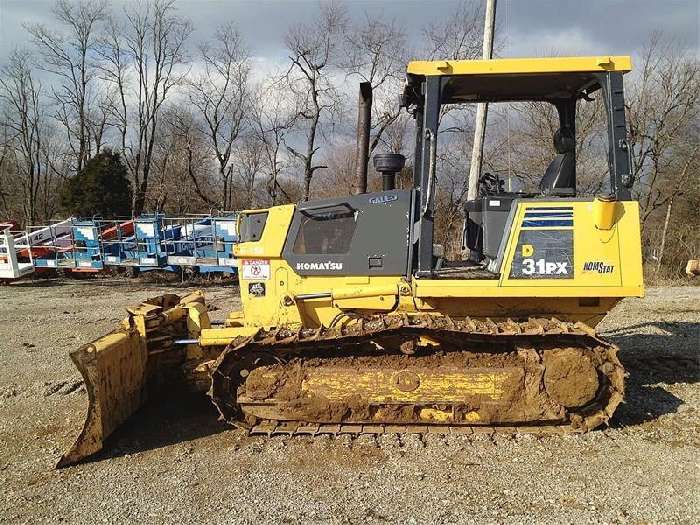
[
  {"x": 587, "y": 310},
  {"x": 223, "y": 336},
  {"x": 197, "y": 318},
  {"x": 115, "y": 368},
  {"x": 472, "y": 417},
  {"x": 605, "y": 213},
  {"x": 435, "y": 415},
  {"x": 590, "y": 245},
  {"x": 357, "y": 292},
  {"x": 618, "y": 247},
  {"x": 273, "y": 237},
  {"x": 510, "y": 66},
  {"x": 527, "y": 250},
  {"x": 379, "y": 303},
  {"x": 234, "y": 319},
  {"x": 444, "y": 384},
  {"x": 425, "y": 340}
]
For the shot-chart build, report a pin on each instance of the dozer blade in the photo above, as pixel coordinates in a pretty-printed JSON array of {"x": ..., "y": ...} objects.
[
  {"x": 114, "y": 370},
  {"x": 119, "y": 367}
]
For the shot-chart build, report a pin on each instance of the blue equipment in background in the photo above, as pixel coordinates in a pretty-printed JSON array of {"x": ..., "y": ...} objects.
[
  {"x": 203, "y": 244},
  {"x": 195, "y": 244},
  {"x": 77, "y": 248},
  {"x": 198, "y": 244}
]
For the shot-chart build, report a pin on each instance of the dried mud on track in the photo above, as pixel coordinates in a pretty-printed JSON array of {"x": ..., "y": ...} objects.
[{"x": 175, "y": 463}]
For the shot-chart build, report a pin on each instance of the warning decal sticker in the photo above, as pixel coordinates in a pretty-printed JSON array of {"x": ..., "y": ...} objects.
[{"x": 255, "y": 269}]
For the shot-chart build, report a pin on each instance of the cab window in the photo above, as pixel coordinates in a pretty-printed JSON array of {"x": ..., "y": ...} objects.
[{"x": 328, "y": 232}]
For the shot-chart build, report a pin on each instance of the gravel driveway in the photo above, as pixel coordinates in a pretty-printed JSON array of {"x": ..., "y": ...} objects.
[{"x": 175, "y": 463}]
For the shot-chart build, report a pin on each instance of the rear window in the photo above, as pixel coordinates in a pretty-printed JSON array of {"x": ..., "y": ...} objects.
[{"x": 328, "y": 232}]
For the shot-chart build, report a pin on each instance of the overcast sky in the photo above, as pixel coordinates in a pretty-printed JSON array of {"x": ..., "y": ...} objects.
[{"x": 528, "y": 27}]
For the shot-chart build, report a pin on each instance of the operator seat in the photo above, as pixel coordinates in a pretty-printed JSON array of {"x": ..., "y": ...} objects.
[{"x": 560, "y": 176}]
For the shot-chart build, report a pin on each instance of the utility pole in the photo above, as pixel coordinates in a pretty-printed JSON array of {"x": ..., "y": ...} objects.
[{"x": 482, "y": 108}]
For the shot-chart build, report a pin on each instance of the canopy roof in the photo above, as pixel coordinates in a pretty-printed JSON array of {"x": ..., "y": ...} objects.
[{"x": 514, "y": 79}]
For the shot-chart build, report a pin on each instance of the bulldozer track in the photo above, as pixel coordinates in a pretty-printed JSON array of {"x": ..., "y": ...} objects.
[
  {"x": 268, "y": 346},
  {"x": 274, "y": 428}
]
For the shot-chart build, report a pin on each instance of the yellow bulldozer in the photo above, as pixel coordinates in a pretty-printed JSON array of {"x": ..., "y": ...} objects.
[{"x": 354, "y": 321}]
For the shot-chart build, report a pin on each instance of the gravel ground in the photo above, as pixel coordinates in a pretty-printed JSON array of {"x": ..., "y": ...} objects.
[{"x": 175, "y": 463}]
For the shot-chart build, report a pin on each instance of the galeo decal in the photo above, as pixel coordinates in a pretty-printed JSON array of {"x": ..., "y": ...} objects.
[
  {"x": 598, "y": 266},
  {"x": 328, "y": 265},
  {"x": 384, "y": 199}
]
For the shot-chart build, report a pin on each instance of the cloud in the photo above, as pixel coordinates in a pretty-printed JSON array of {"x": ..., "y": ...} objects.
[
  {"x": 263, "y": 67},
  {"x": 571, "y": 41},
  {"x": 528, "y": 26}
]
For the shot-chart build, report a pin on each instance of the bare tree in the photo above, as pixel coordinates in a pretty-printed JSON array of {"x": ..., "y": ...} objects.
[
  {"x": 70, "y": 57},
  {"x": 377, "y": 53},
  {"x": 144, "y": 60},
  {"x": 250, "y": 159},
  {"x": 99, "y": 120},
  {"x": 338, "y": 178},
  {"x": 312, "y": 49},
  {"x": 6, "y": 174},
  {"x": 271, "y": 119},
  {"x": 181, "y": 175},
  {"x": 663, "y": 107},
  {"x": 456, "y": 37},
  {"x": 400, "y": 136},
  {"x": 24, "y": 116},
  {"x": 220, "y": 95},
  {"x": 521, "y": 145}
]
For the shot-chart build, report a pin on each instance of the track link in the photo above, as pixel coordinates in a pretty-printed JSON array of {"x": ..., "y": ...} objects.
[{"x": 277, "y": 428}]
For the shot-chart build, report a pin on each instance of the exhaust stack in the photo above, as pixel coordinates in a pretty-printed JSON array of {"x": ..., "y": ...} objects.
[
  {"x": 364, "y": 120},
  {"x": 389, "y": 164}
]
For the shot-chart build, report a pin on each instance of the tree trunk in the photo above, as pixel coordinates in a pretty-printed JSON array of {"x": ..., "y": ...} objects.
[
  {"x": 224, "y": 196},
  {"x": 307, "y": 184},
  {"x": 308, "y": 160},
  {"x": 663, "y": 235},
  {"x": 140, "y": 195}
]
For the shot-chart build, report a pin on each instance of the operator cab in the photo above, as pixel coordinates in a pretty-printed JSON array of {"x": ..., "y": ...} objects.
[
  {"x": 486, "y": 218},
  {"x": 563, "y": 82}
]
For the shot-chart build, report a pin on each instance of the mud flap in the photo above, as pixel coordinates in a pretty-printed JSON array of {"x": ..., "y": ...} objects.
[
  {"x": 114, "y": 371},
  {"x": 118, "y": 367}
]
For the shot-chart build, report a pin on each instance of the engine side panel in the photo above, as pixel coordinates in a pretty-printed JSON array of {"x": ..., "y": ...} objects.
[{"x": 364, "y": 234}]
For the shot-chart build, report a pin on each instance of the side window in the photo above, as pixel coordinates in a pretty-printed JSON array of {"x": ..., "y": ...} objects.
[
  {"x": 251, "y": 226},
  {"x": 328, "y": 232}
]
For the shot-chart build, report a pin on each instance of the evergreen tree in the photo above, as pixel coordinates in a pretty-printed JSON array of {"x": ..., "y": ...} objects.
[{"x": 102, "y": 188}]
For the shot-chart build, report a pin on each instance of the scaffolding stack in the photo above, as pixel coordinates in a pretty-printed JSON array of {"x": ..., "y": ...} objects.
[{"x": 195, "y": 244}]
